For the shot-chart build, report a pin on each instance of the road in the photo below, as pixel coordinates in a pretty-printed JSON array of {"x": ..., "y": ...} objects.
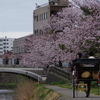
[{"x": 67, "y": 94}]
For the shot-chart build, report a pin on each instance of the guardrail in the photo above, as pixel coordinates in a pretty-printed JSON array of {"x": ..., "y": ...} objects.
[
  {"x": 22, "y": 72},
  {"x": 61, "y": 72}
]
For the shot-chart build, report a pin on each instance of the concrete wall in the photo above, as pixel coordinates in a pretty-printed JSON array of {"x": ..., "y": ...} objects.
[{"x": 51, "y": 77}]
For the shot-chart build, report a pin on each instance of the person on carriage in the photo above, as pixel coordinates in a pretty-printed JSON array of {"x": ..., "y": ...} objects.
[
  {"x": 78, "y": 56},
  {"x": 91, "y": 56}
]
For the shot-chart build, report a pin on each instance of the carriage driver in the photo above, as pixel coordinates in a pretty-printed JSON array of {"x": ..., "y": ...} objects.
[{"x": 91, "y": 56}]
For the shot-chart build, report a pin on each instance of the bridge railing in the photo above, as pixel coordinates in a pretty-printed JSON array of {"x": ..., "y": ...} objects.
[
  {"x": 22, "y": 72},
  {"x": 61, "y": 72}
]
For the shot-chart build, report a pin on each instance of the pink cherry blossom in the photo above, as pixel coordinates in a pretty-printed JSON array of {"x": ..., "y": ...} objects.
[{"x": 70, "y": 31}]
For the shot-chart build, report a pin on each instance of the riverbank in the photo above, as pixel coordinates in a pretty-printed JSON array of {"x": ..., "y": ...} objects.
[{"x": 31, "y": 90}]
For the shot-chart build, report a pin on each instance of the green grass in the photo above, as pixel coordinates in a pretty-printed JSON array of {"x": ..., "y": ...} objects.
[
  {"x": 63, "y": 84},
  {"x": 94, "y": 88},
  {"x": 38, "y": 85},
  {"x": 42, "y": 91},
  {"x": 58, "y": 83},
  {"x": 8, "y": 84},
  {"x": 45, "y": 94}
]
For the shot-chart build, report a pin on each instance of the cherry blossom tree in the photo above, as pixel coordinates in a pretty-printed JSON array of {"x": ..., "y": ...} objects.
[
  {"x": 72, "y": 30},
  {"x": 81, "y": 25},
  {"x": 42, "y": 50}
]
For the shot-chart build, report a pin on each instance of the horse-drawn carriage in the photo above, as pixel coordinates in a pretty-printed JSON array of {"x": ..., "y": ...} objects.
[{"x": 84, "y": 72}]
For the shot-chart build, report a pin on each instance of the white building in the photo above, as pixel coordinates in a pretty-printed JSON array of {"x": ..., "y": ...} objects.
[{"x": 6, "y": 44}]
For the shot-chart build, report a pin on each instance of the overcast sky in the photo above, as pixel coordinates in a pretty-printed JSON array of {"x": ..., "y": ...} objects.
[{"x": 16, "y": 17}]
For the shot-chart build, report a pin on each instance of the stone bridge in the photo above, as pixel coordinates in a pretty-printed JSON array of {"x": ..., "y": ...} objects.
[{"x": 22, "y": 72}]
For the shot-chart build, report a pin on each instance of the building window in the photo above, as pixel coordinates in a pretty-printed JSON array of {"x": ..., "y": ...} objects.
[
  {"x": 40, "y": 17},
  {"x": 37, "y": 31},
  {"x": 46, "y": 15},
  {"x": 34, "y": 17},
  {"x": 37, "y": 18},
  {"x": 4, "y": 47},
  {"x": 4, "y": 43},
  {"x": 43, "y": 16}
]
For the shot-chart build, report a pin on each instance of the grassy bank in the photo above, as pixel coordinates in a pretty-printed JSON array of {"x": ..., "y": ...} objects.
[{"x": 31, "y": 90}]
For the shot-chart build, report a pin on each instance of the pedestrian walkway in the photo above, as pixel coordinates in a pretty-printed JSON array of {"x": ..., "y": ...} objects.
[{"x": 67, "y": 94}]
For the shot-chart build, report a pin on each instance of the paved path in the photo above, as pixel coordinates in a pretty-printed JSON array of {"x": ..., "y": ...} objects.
[{"x": 67, "y": 94}]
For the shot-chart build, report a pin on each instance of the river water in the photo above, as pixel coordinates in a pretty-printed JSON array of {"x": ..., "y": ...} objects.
[{"x": 6, "y": 94}]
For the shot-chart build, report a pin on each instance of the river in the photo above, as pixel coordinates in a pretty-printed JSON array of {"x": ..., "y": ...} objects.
[{"x": 6, "y": 94}]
